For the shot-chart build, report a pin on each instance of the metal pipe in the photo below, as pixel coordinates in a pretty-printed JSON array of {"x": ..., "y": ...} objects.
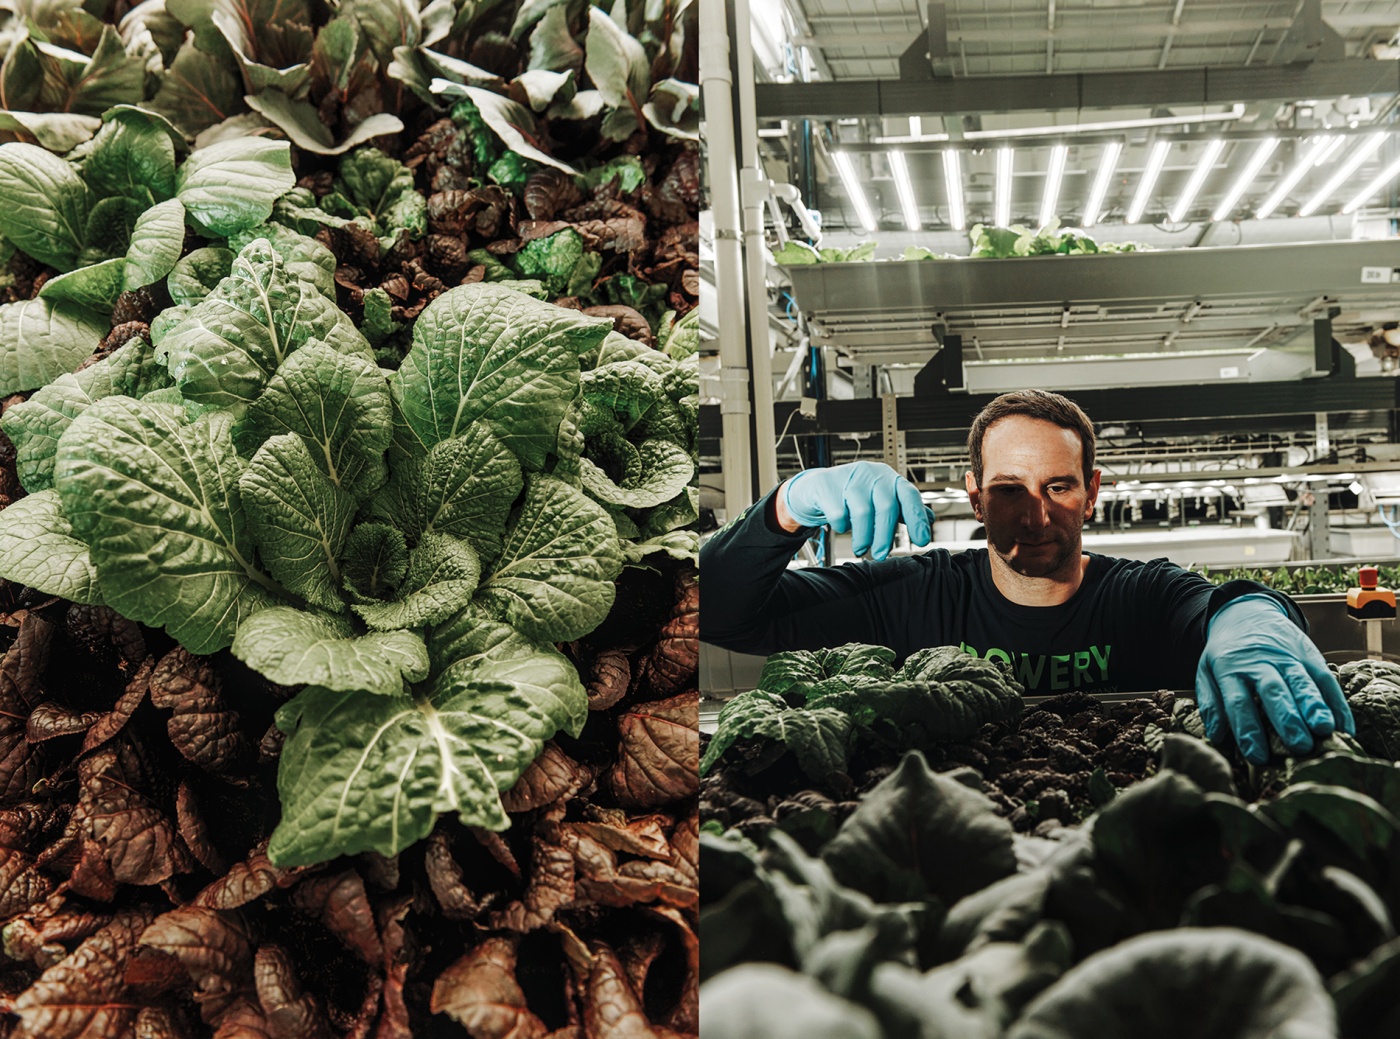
[
  {"x": 753, "y": 190},
  {"x": 717, "y": 89}
]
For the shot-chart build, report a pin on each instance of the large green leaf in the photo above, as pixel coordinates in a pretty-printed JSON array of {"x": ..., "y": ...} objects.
[
  {"x": 486, "y": 352},
  {"x": 554, "y": 578},
  {"x": 465, "y": 486},
  {"x": 665, "y": 471},
  {"x": 293, "y": 647},
  {"x": 41, "y": 339},
  {"x": 766, "y": 1001},
  {"x": 920, "y": 833},
  {"x": 1151, "y": 987},
  {"x": 43, "y": 205},
  {"x": 510, "y": 121},
  {"x": 364, "y": 772},
  {"x": 94, "y": 289},
  {"x": 232, "y": 185},
  {"x": 227, "y": 347},
  {"x": 35, "y": 425},
  {"x": 38, "y": 549},
  {"x": 301, "y": 123},
  {"x": 818, "y": 739},
  {"x": 443, "y": 572},
  {"x": 156, "y": 241},
  {"x": 131, "y": 155},
  {"x": 386, "y": 24},
  {"x": 471, "y": 646},
  {"x": 301, "y": 519},
  {"x": 198, "y": 273},
  {"x": 156, "y": 499},
  {"x": 198, "y": 90},
  {"x": 338, "y": 403}
]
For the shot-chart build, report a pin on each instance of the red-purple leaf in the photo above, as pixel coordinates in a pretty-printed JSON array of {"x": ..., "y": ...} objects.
[
  {"x": 84, "y": 995},
  {"x": 203, "y": 728},
  {"x": 289, "y": 1012},
  {"x": 248, "y": 880},
  {"x": 551, "y": 883},
  {"x": 481, "y": 994},
  {"x": 215, "y": 950},
  {"x": 553, "y": 776},
  {"x": 50, "y": 720},
  {"x": 21, "y": 763},
  {"x": 660, "y": 753},
  {"x": 340, "y": 902}
]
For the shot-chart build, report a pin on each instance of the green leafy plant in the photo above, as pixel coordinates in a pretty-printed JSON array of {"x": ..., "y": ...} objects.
[
  {"x": 408, "y": 547},
  {"x": 112, "y": 219},
  {"x": 823, "y": 705}
]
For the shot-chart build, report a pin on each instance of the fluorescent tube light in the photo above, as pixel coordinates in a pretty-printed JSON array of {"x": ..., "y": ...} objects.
[
  {"x": 952, "y": 179},
  {"x": 1382, "y": 178},
  {"x": 1108, "y": 162},
  {"x": 1155, "y": 161},
  {"x": 854, "y": 190},
  {"x": 1246, "y": 177},
  {"x": 1345, "y": 170},
  {"x": 1198, "y": 177},
  {"x": 904, "y": 187},
  {"x": 1005, "y": 160},
  {"x": 1321, "y": 148},
  {"x": 1054, "y": 176}
]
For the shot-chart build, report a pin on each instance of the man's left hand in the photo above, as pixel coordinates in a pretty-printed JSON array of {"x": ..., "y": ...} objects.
[{"x": 1254, "y": 649}]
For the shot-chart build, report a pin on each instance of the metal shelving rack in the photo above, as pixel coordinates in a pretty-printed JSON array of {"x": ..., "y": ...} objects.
[{"x": 1177, "y": 301}]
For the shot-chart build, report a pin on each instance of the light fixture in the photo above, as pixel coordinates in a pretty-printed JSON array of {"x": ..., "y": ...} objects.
[
  {"x": 952, "y": 178},
  {"x": 1107, "y": 163},
  {"x": 1321, "y": 148},
  {"x": 1382, "y": 178},
  {"x": 1359, "y": 155},
  {"x": 1198, "y": 177},
  {"x": 1155, "y": 162},
  {"x": 1053, "y": 178},
  {"x": 854, "y": 191},
  {"x": 1005, "y": 160},
  {"x": 904, "y": 187},
  {"x": 1236, "y": 112},
  {"x": 1246, "y": 177}
]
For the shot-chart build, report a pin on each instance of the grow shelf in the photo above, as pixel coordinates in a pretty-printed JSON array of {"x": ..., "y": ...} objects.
[{"x": 1181, "y": 300}]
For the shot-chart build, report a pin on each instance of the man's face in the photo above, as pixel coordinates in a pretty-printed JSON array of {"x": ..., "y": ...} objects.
[{"x": 1033, "y": 500}]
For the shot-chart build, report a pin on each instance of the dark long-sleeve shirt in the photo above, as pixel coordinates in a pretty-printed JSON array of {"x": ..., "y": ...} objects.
[{"x": 1132, "y": 626}]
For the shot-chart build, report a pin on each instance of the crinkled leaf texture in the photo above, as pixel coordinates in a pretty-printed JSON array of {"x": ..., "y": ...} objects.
[
  {"x": 43, "y": 205},
  {"x": 228, "y": 346},
  {"x": 294, "y": 647},
  {"x": 38, "y": 549},
  {"x": 554, "y": 578},
  {"x": 486, "y": 352},
  {"x": 818, "y": 738},
  {"x": 369, "y": 772},
  {"x": 156, "y": 499},
  {"x": 35, "y": 425},
  {"x": 41, "y": 339},
  {"x": 230, "y": 186},
  {"x": 442, "y": 573},
  {"x": 362, "y": 773}
]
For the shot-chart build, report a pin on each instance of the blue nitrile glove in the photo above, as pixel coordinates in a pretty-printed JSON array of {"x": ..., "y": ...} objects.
[
  {"x": 1253, "y": 647},
  {"x": 868, "y": 499}
]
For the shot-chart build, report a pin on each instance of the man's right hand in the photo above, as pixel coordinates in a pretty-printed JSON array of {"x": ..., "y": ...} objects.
[{"x": 866, "y": 499}]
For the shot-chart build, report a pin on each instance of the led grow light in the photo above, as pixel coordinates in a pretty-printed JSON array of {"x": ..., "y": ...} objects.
[
  {"x": 1054, "y": 176},
  {"x": 904, "y": 187},
  {"x": 1246, "y": 177},
  {"x": 1381, "y": 180},
  {"x": 1108, "y": 162},
  {"x": 1359, "y": 155},
  {"x": 952, "y": 178},
  {"x": 1005, "y": 160},
  {"x": 1322, "y": 147},
  {"x": 1155, "y": 161},
  {"x": 854, "y": 191},
  {"x": 1198, "y": 177}
]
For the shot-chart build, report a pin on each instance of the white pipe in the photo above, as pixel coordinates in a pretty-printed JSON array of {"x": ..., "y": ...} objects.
[
  {"x": 716, "y": 87},
  {"x": 753, "y": 185}
]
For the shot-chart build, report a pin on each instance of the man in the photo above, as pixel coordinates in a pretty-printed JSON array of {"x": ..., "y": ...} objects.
[{"x": 1064, "y": 619}]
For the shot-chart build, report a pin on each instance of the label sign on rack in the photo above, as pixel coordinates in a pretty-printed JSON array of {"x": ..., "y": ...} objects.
[{"x": 1379, "y": 275}]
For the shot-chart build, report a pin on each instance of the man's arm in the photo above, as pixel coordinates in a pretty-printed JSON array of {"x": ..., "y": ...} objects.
[{"x": 753, "y": 603}]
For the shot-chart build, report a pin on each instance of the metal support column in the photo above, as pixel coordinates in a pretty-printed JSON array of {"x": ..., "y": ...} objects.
[
  {"x": 716, "y": 85},
  {"x": 892, "y": 435},
  {"x": 753, "y": 191},
  {"x": 1319, "y": 538}
]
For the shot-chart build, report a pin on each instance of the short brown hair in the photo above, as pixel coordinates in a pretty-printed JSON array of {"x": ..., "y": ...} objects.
[{"x": 1041, "y": 404}]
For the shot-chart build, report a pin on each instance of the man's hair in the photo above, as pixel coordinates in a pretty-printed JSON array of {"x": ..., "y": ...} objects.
[{"x": 1041, "y": 404}]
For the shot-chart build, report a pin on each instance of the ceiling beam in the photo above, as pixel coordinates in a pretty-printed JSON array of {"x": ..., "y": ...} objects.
[{"x": 963, "y": 96}]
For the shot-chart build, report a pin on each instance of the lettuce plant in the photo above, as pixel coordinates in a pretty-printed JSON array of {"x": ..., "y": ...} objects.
[
  {"x": 407, "y": 545},
  {"x": 111, "y": 218}
]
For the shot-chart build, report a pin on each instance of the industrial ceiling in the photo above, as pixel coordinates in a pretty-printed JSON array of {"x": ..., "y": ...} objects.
[{"x": 1188, "y": 117}]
